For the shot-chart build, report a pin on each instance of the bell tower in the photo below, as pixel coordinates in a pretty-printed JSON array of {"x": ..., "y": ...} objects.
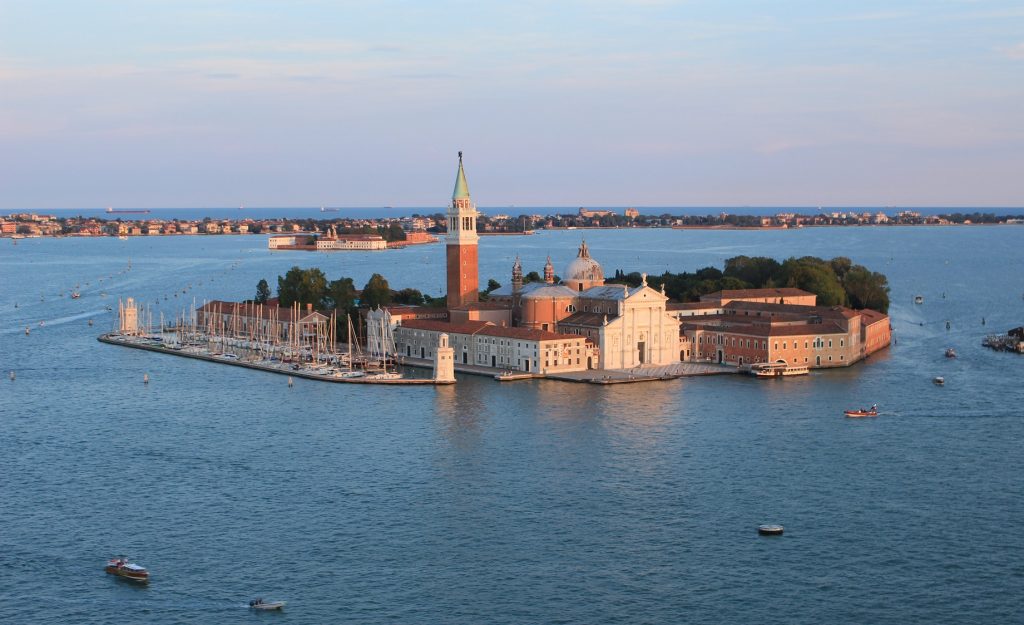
[{"x": 461, "y": 245}]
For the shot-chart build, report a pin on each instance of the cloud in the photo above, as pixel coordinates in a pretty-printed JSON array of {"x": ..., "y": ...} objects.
[{"x": 1015, "y": 52}]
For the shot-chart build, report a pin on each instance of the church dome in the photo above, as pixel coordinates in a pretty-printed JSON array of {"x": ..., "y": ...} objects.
[{"x": 583, "y": 268}]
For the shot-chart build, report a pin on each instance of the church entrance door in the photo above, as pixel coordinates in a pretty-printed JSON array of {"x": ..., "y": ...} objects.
[{"x": 641, "y": 347}]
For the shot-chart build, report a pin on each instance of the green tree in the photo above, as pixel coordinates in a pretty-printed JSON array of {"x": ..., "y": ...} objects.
[
  {"x": 305, "y": 286},
  {"x": 262, "y": 291},
  {"x": 867, "y": 289},
  {"x": 756, "y": 271},
  {"x": 409, "y": 297},
  {"x": 815, "y": 276},
  {"x": 493, "y": 285},
  {"x": 341, "y": 296},
  {"x": 376, "y": 293},
  {"x": 533, "y": 276}
]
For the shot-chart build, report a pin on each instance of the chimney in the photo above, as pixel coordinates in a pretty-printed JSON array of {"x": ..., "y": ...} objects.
[{"x": 309, "y": 308}]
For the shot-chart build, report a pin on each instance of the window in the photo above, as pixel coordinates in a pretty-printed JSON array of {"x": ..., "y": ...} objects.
[
  {"x": 842, "y": 342},
  {"x": 830, "y": 345}
]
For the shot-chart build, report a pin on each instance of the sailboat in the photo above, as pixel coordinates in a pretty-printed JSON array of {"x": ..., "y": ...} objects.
[
  {"x": 350, "y": 372},
  {"x": 382, "y": 343}
]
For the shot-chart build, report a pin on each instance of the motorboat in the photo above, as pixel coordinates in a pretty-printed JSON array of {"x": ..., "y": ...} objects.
[
  {"x": 770, "y": 530},
  {"x": 950, "y": 352},
  {"x": 121, "y": 567},
  {"x": 260, "y": 604},
  {"x": 939, "y": 381},
  {"x": 918, "y": 299},
  {"x": 869, "y": 412}
]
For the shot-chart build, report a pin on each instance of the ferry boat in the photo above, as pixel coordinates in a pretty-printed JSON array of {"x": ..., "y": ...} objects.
[
  {"x": 871, "y": 412},
  {"x": 777, "y": 370},
  {"x": 121, "y": 567}
]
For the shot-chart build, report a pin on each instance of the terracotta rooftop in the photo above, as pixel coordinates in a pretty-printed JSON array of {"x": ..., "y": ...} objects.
[
  {"x": 252, "y": 309},
  {"x": 725, "y": 323},
  {"x": 586, "y": 319},
  {"x": 466, "y": 327},
  {"x": 740, "y": 293},
  {"x": 872, "y": 316},
  {"x": 821, "y": 311},
  {"x": 691, "y": 305},
  {"x": 482, "y": 306},
  {"x": 415, "y": 310},
  {"x": 526, "y": 334}
]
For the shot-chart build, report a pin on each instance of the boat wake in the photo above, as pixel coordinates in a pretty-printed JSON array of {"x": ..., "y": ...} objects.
[{"x": 34, "y": 324}]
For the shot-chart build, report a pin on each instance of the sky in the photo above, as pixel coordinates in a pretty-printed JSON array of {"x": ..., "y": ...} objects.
[{"x": 203, "y": 103}]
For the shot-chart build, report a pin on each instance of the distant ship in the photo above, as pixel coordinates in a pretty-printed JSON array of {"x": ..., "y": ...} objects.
[
  {"x": 128, "y": 211},
  {"x": 329, "y": 210}
]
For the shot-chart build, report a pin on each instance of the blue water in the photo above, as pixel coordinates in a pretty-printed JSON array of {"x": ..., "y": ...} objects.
[
  {"x": 313, "y": 212},
  {"x": 531, "y": 502}
]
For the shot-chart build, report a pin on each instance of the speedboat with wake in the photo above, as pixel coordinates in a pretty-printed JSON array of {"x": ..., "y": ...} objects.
[
  {"x": 260, "y": 604},
  {"x": 869, "y": 412}
]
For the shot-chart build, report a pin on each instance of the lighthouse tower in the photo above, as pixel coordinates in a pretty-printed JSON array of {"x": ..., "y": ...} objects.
[{"x": 461, "y": 244}]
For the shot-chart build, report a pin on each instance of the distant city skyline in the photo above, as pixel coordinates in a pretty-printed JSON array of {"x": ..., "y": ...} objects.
[{"x": 631, "y": 103}]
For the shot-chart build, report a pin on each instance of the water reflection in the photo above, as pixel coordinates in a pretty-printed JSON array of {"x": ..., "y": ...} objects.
[{"x": 459, "y": 412}]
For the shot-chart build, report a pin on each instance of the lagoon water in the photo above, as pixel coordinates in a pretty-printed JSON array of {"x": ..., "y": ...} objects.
[{"x": 532, "y": 502}]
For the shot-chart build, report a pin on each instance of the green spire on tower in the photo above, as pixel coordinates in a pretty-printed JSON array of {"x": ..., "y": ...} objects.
[{"x": 461, "y": 187}]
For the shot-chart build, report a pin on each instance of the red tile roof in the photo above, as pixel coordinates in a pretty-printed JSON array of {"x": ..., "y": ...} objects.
[
  {"x": 527, "y": 334},
  {"x": 739, "y": 293},
  {"x": 466, "y": 327}
]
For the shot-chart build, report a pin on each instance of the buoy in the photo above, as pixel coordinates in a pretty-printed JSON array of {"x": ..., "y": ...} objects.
[
  {"x": 90, "y": 322},
  {"x": 27, "y": 331},
  {"x": 769, "y": 530},
  {"x": 291, "y": 382},
  {"x": 12, "y": 375},
  {"x": 145, "y": 378}
]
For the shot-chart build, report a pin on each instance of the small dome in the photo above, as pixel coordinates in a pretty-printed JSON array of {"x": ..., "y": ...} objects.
[{"x": 583, "y": 268}]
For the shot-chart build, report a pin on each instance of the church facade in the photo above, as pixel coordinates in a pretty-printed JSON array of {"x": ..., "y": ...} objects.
[{"x": 628, "y": 327}]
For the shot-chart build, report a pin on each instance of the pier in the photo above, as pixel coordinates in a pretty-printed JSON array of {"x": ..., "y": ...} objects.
[{"x": 281, "y": 368}]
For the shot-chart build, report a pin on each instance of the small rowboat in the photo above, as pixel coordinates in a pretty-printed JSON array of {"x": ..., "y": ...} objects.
[
  {"x": 770, "y": 530},
  {"x": 260, "y": 604},
  {"x": 872, "y": 412},
  {"x": 121, "y": 567}
]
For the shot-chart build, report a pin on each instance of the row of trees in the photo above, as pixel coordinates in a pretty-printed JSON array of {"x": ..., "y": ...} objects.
[{"x": 836, "y": 282}]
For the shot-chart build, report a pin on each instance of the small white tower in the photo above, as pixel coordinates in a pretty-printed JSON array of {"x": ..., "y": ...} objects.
[
  {"x": 129, "y": 314},
  {"x": 444, "y": 361}
]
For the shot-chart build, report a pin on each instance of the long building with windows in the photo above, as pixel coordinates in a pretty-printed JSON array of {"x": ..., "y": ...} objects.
[{"x": 749, "y": 332}]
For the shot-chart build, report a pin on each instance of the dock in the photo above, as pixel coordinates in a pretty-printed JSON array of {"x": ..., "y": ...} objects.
[
  {"x": 114, "y": 338},
  {"x": 649, "y": 373}
]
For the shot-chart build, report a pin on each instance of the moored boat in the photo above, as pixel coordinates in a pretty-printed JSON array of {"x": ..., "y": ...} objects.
[
  {"x": 939, "y": 381},
  {"x": 918, "y": 299},
  {"x": 121, "y": 567},
  {"x": 777, "y": 370},
  {"x": 869, "y": 412},
  {"x": 950, "y": 352}
]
